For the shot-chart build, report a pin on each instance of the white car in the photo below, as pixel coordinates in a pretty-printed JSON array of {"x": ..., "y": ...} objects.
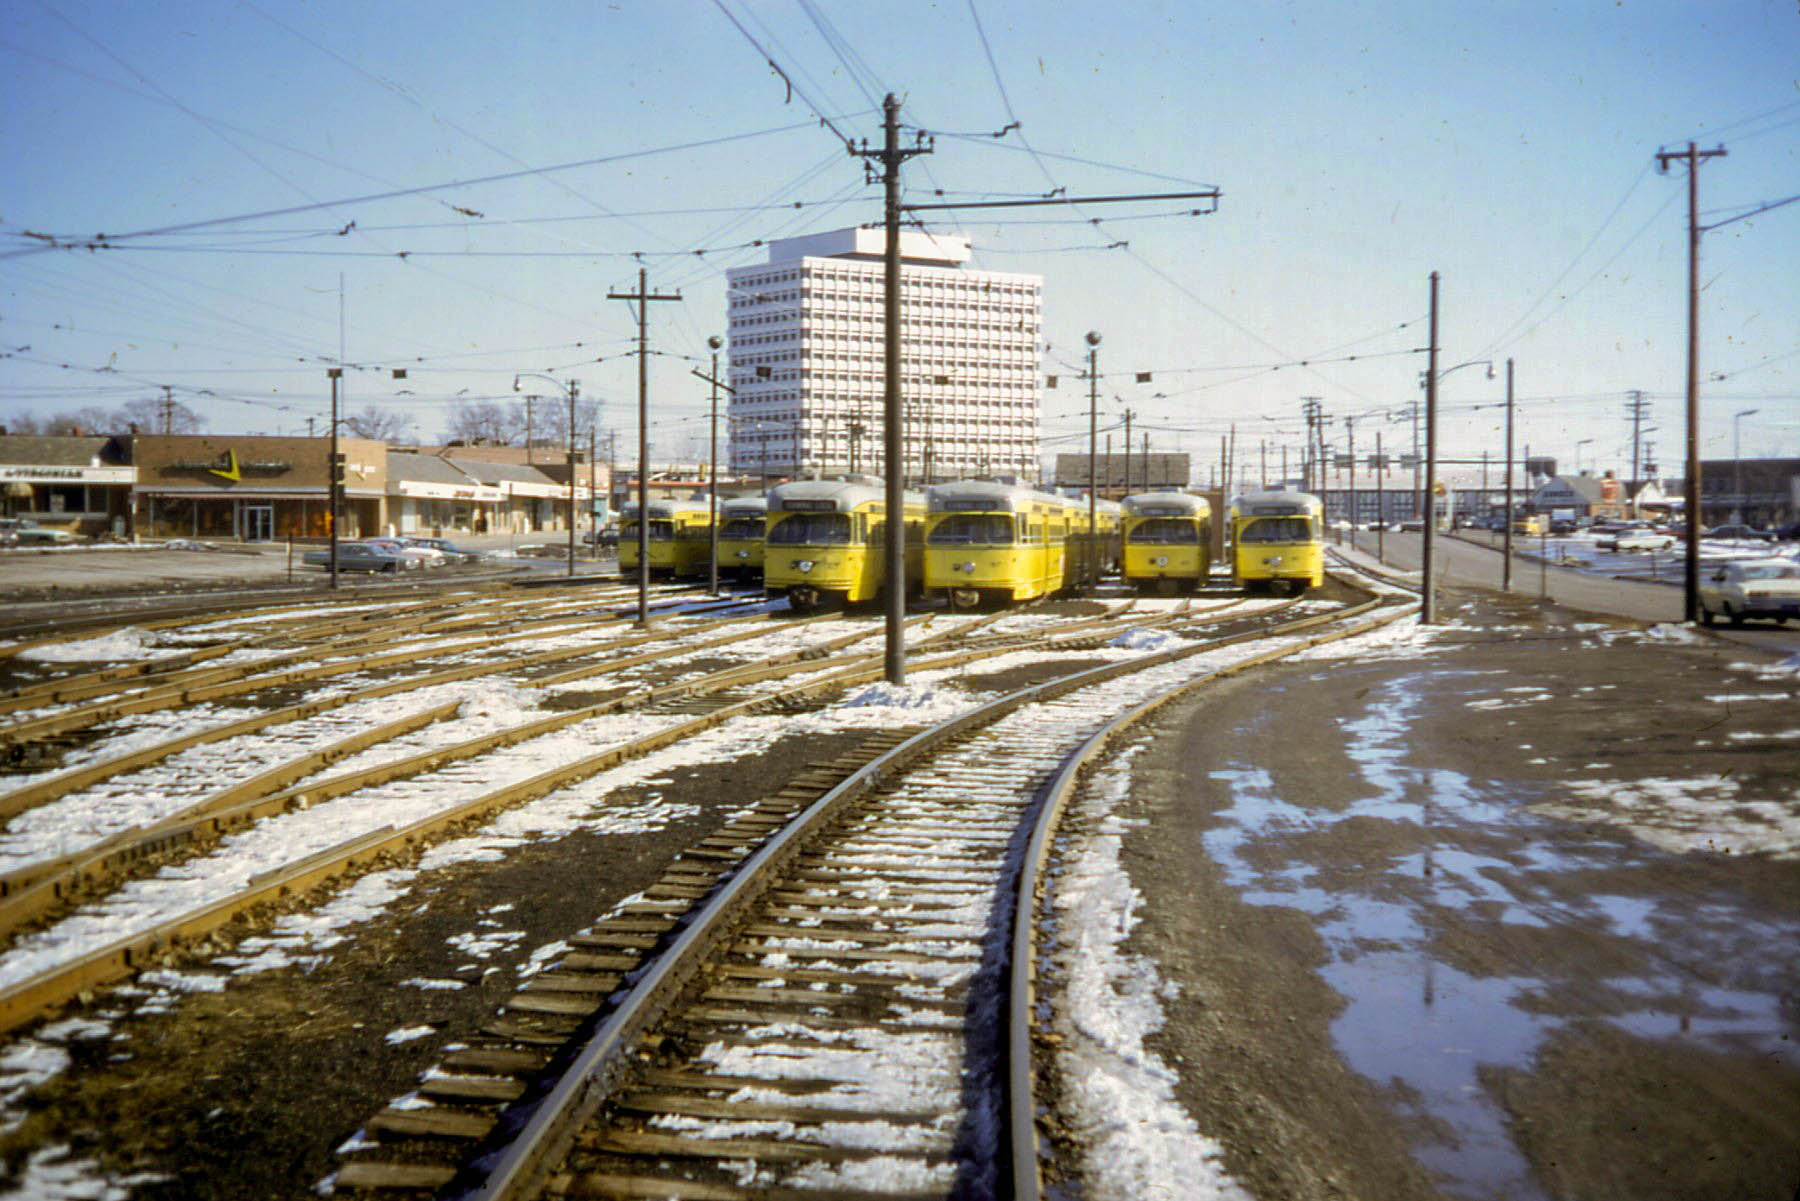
[
  {"x": 1642, "y": 540},
  {"x": 1751, "y": 588}
]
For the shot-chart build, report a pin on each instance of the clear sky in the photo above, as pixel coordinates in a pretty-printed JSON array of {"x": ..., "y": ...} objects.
[{"x": 454, "y": 189}]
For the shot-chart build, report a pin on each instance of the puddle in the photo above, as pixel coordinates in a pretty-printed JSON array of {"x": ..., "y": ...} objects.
[{"x": 1422, "y": 1029}]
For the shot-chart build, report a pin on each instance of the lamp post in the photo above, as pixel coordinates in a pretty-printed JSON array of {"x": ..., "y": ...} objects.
[
  {"x": 1737, "y": 464},
  {"x": 1428, "y": 600},
  {"x": 573, "y": 387},
  {"x": 1578, "y": 445}
]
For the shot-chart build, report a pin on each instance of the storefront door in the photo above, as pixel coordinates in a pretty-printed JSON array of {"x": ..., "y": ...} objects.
[{"x": 258, "y": 523}]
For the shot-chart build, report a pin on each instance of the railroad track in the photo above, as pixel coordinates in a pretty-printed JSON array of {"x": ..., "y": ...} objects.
[
  {"x": 414, "y": 784},
  {"x": 809, "y": 999}
]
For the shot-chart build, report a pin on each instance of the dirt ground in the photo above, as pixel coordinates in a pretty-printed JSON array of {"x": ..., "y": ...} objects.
[{"x": 1415, "y": 951}]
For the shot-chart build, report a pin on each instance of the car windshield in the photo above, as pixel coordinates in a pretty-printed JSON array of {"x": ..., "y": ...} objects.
[
  {"x": 1167, "y": 531},
  {"x": 992, "y": 529},
  {"x": 1276, "y": 529},
  {"x": 742, "y": 527},
  {"x": 1771, "y": 571},
  {"x": 811, "y": 529}
]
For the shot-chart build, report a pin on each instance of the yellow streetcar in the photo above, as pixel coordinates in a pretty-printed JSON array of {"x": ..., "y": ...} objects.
[
  {"x": 680, "y": 539},
  {"x": 1168, "y": 541},
  {"x": 741, "y": 531},
  {"x": 992, "y": 543},
  {"x": 826, "y": 541},
  {"x": 1277, "y": 541}
]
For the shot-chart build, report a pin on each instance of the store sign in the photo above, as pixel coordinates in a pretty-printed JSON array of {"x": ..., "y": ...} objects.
[
  {"x": 227, "y": 467},
  {"x": 76, "y": 475}
]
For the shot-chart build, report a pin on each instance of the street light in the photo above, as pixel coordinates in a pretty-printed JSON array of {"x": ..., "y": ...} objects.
[
  {"x": 1737, "y": 464},
  {"x": 1433, "y": 377},
  {"x": 1578, "y": 445},
  {"x": 573, "y": 386}
]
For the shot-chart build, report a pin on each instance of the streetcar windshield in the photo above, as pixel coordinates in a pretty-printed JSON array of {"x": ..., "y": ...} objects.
[
  {"x": 993, "y": 529},
  {"x": 811, "y": 529},
  {"x": 1276, "y": 529},
  {"x": 660, "y": 531},
  {"x": 1166, "y": 531},
  {"x": 742, "y": 528}
]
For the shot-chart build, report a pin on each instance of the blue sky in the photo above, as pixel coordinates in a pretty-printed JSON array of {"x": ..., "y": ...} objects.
[{"x": 1509, "y": 147}]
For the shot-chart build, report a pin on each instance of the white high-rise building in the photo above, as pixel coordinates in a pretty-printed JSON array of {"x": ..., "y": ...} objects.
[{"x": 808, "y": 360}]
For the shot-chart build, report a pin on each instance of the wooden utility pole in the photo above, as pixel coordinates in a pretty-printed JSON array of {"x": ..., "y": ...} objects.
[
  {"x": 890, "y": 156},
  {"x": 1428, "y": 603},
  {"x": 642, "y": 298},
  {"x": 1506, "y": 539},
  {"x": 1691, "y": 588}
]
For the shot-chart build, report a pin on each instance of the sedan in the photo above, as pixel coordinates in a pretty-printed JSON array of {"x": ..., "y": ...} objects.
[
  {"x": 360, "y": 556},
  {"x": 1739, "y": 533},
  {"x": 1751, "y": 588},
  {"x": 1641, "y": 540}
]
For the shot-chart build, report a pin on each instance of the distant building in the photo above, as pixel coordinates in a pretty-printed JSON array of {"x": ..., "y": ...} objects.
[
  {"x": 1119, "y": 475},
  {"x": 78, "y": 484},
  {"x": 808, "y": 365}
]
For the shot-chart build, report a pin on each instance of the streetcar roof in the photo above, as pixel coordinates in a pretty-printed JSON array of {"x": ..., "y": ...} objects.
[
  {"x": 744, "y": 506},
  {"x": 1167, "y": 504},
  {"x": 1276, "y": 502},
  {"x": 961, "y": 496},
  {"x": 833, "y": 496},
  {"x": 667, "y": 508}
]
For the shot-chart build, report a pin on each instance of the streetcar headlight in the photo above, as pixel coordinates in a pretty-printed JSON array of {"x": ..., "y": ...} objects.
[
  {"x": 1273, "y": 560},
  {"x": 1162, "y": 560},
  {"x": 743, "y": 554},
  {"x": 803, "y": 564},
  {"x": 969, "y": 567}
]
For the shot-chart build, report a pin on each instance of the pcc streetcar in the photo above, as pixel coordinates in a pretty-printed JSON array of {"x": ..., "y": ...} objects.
[
  {"x": 741, "y": 533},
  {"x": 1277, "y": 541},
  {"x": 680, "y": 539},
  {"x": 826, "y": 542},
  {"x": 1168, "y": 541},
  {"x": 992, "y": 543}
]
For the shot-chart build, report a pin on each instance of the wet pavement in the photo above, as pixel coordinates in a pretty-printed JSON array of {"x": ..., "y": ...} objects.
[{"x": 1535, "y": 882}]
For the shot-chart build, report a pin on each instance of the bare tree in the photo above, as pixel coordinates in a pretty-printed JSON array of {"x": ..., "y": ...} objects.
[
  {"x": 485, "y": 423},
  {"x": 151, "y": 416},
  {"x": 374, "y": 423}
]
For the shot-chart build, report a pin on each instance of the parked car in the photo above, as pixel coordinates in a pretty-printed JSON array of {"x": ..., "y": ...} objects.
[
  {"x": 1751, "y": 588},
  {"x": 1608, "y": 539},
  {"x": 362, "y": 556},
  {"x": 415, "y": 556},
  {"x": 1642, "y": 540},
  {"x": 451, "y": 552},
  {"x": 1739, "y": 533},
  {"x": 1788, "y": 533},
  {"x": 23, "y": 531},
  {"x": 605, "y": 539}
]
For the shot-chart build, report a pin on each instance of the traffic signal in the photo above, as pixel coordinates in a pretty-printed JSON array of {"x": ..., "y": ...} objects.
[{"x": 337, "y": 467}]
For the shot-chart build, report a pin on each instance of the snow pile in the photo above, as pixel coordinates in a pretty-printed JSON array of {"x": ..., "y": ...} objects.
[
  {"x": 1139, "y": 1141},
  {"x": 1139, "y": 639},
  {"x": 125, "y": 644},
  {"x": 1701, "y": 815}
]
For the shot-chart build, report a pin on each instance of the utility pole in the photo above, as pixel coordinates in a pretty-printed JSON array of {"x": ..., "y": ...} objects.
[
  {"x": 1350, "y": 433},
  {"x": 1091, "y": 555},
  {"x": 1128, "y": 416},
  {"x": 1506, "y": 548},
  {"x": 1428, "y": 603},
  {"x": 890, "y": 156},
  {"x": 337, "y": 473},
  {"x": 712, "y": 492},
  {"x": 574, "y": 385},
  {"x": 168, "y": 409},
  {"x": 1636, "y": 408},
  {"x": 1309, "y": 409},
  {"x": 642, "y": 298},
  {"x": 1694, "y": 157}
]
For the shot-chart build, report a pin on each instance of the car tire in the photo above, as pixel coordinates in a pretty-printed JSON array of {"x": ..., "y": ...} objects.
[
  {"x": 1735, "y": 618},
  {"x": 1707, "y": 618}
]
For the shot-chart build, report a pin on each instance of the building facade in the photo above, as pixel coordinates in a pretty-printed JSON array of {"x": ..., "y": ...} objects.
[
  {"x": 254, "y": 488},
  {"x": 78, "y": 484},
  {"x": 808, "y": 365}
]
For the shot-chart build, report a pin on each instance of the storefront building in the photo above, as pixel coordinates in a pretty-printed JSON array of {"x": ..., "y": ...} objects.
[
  {"x": 78, "y": 484},
  {"x": 255, "y": 488},
  {"x": 430, "y": 496}
]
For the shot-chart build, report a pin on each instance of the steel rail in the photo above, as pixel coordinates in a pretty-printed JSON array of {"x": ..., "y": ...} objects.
[
  {"x": 544, "y": 1135},
  {"x": 1024, "y": 1132}
]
